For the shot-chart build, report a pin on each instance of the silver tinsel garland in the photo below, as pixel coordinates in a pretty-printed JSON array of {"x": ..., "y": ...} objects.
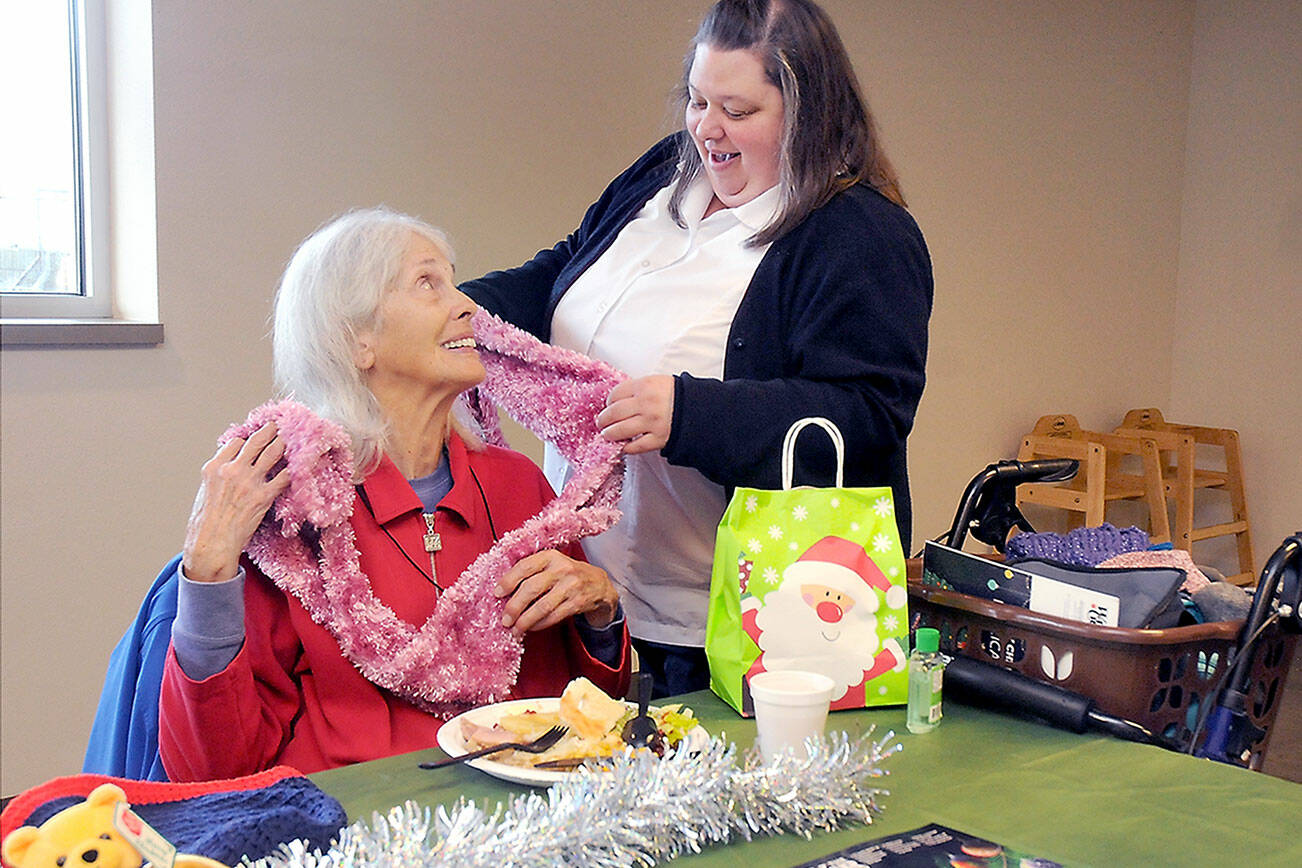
[{"x": 642, "y": 811}]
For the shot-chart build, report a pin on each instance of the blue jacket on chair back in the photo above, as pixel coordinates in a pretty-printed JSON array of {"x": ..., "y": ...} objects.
[{"x": 124, "y": 736}]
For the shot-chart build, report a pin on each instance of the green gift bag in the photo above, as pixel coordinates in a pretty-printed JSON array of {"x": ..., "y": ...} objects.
[{"x": 812, "y": 579}]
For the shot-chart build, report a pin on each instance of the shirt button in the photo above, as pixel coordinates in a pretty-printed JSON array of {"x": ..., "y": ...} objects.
[
  {"x": 738, "y": 343},
  {"x": 646, "y": 263}
]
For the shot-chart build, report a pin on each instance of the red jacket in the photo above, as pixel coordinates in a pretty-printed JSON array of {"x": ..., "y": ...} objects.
[{"x": 290, "y": 696}]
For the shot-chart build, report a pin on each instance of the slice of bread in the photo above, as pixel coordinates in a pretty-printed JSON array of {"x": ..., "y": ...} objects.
[{"x": 587, "y": 710}]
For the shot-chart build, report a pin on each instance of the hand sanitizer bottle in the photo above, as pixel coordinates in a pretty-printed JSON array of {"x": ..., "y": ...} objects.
[{"x": 926, "y": 673}]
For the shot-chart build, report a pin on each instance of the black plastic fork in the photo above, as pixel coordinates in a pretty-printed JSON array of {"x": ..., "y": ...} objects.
[{"x": 538, "y": 745}]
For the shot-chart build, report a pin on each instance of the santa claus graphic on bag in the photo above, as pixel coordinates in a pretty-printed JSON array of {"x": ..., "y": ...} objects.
[{"x": 823, "y": 617}]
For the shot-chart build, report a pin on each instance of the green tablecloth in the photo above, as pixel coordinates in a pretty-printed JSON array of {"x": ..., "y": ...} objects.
[{"x": 1080, "y": 800}]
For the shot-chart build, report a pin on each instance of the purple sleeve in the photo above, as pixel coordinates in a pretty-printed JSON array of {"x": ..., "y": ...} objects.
[
  {"x": 603, "y": 643},
  {"x": 209, "y": 628}
]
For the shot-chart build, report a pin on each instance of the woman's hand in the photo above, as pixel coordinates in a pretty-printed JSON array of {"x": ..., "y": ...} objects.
[
  {"x": 640, "y": 411},
  {"x": 234, "y": 494},
  {"x": 547, "y": 587}
]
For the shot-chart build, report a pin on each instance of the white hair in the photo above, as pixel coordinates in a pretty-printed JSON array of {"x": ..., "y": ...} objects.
[{"x": 331, "y": 291}]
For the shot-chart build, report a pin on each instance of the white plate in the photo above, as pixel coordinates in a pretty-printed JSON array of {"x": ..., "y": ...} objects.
[{"x": 453, "y": 744}]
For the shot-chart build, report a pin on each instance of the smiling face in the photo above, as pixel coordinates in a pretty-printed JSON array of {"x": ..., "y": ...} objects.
[
  {"x": 734, "y": 115},
  {"x": 422, "y": 344},
  {"x": 828, "y": 603}
]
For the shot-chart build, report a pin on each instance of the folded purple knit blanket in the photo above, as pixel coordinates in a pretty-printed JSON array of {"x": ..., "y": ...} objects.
[{"x": 1082, "y": 547}]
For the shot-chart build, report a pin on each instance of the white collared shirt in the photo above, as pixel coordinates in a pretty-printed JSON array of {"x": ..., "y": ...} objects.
[{"x": 661, "y": 300}]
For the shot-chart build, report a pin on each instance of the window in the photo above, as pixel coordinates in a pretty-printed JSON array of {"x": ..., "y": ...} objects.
[
  {"x": 58, "y": 149},
  {"x": 46, "y": 221}
]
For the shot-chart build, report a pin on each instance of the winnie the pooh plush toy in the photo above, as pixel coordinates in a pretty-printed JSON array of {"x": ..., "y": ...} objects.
[{"x": 84, "y": 835}]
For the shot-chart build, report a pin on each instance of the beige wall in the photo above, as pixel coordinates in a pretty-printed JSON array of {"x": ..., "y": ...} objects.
[
  {"x": 1042, "y": 145},
  {"x": 1238, "y": 314}
]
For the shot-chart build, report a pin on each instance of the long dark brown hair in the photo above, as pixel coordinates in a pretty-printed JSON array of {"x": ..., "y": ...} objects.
[{"x": 829, "y": 138}]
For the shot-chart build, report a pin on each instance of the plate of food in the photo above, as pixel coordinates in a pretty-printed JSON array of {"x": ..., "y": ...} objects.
[{"x": 594, "y": 722}]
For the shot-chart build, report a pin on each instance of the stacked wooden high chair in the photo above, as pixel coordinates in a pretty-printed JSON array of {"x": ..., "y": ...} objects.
[
  {"x": 1106, "y": 474},
  {"x": 1184, "y": 478},
  {"x": 1149, "y": 460}
]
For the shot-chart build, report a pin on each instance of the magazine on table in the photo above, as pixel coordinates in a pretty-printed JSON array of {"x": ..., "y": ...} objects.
[{"x": 932, "y": 845}]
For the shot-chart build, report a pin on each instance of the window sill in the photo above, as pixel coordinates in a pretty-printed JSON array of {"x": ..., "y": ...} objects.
[{"x": 78, "y": 332}]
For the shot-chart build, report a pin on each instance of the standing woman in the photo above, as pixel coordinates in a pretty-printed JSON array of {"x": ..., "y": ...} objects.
[{"x": 754, "y": 268}]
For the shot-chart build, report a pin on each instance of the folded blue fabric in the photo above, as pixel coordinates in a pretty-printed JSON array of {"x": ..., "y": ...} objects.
[{"x": 223, "y": 820}]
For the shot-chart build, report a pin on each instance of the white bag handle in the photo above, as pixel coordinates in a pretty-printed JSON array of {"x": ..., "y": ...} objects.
[{"x": 789, "y": 448}]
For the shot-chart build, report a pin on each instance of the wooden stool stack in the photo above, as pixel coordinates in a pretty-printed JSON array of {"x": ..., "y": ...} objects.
[
  {"x": 1183, "y": 479},
  {"x": 1103, "y": 476}
]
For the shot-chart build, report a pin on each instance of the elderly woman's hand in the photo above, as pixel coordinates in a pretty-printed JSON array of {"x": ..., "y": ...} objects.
[
  {"x": 234, "y": 494},
  {"x": 547, "y": 587},
  {"x": 640, "y": 411}
]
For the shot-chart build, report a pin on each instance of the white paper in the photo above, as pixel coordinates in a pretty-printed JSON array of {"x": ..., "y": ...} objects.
[{"x": 1051, "y": 597}]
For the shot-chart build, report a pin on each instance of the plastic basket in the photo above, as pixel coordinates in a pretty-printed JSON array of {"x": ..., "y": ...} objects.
[{"x": 1158, "y": 678}]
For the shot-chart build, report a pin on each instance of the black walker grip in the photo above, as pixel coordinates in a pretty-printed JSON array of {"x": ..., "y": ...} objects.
[{"x": 985, "y": 684}]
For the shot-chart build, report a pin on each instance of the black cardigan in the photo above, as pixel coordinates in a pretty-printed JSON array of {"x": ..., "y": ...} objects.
[{"x": 833, "y": 323}]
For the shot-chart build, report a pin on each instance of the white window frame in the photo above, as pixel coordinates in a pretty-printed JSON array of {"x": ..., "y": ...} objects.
[{"x": 95, "y": 316}]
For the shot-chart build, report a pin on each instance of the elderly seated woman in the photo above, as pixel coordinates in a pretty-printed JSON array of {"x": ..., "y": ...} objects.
[{"x": 372, "y": 335}]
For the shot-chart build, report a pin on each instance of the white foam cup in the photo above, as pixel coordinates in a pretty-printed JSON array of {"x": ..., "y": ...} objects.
[{"x": 790, "y": 706}]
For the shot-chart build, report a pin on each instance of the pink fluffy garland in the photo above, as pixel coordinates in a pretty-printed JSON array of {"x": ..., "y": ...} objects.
[{"x": 461, "y": 656}]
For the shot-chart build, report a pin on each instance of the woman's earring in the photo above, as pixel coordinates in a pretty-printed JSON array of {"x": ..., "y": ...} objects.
[{"x": 364, "y": 356}]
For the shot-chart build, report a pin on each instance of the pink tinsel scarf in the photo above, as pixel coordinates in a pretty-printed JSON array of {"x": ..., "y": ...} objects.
[{"x": 461, "y": 656}]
